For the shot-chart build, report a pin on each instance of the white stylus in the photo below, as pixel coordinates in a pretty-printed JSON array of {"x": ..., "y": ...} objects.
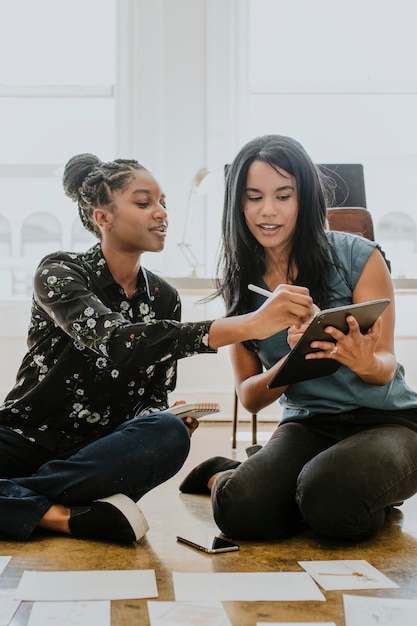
[{"x": 262, "y": 292}]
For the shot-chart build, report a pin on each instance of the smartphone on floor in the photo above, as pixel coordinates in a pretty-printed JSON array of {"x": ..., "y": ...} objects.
[{"x": 210, "y": 544}]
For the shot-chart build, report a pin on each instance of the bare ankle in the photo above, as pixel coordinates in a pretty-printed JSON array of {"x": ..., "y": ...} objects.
[
  {"x": 56, "y": 519},
  {"x": 212, "y": 479}
]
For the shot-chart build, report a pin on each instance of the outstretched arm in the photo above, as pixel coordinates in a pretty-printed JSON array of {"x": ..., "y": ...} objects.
[{"x": 288, "y": 305}]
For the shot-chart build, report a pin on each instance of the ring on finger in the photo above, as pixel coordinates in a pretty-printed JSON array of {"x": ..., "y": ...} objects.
[{"x": 334, "y": 350}]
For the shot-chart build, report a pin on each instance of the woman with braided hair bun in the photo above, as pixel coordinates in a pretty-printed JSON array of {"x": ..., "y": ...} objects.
[{"x": 86, "y": 430}]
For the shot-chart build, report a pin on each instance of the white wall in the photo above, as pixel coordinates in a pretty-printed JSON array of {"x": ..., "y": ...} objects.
[
  {"x": 341, "y": 80},
  {"x": 182, "y": 108},
  {"x": 195, "y": 79},
  {"x": 240, "y": 68},
  {"x": 176, "y": 108}
]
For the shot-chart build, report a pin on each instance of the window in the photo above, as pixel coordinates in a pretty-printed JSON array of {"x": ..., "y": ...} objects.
[
  {"x": 5, "y": 237},
  {"x": 348, "y": 92},
  {"x": 41, "y": 233},
  {"x": 81, "y": 238},
  {"x": 56, "y": 100},
  {"x": 397, "y": 233}
]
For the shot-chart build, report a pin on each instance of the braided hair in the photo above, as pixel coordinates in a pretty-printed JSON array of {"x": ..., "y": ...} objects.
[{"x": 91, "y": 182}]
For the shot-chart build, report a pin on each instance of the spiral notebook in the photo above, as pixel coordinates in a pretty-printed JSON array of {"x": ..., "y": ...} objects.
[{"x": 195, "y": 409}]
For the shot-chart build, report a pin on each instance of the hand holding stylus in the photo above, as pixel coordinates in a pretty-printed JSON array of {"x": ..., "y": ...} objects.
[{"x": 295, "y": 304}]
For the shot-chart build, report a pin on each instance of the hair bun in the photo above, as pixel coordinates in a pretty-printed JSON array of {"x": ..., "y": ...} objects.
[{"x": 76, "y": 171}]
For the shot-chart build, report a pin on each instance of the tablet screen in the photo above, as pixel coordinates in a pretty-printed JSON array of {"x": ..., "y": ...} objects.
[{"x": 295, "y": 368}]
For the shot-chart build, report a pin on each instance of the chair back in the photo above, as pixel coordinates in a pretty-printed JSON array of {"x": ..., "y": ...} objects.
[{"x": 355, "y": 220}]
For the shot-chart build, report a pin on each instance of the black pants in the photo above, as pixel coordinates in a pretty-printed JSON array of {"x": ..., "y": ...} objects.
[{"x": 335, "y": 473}]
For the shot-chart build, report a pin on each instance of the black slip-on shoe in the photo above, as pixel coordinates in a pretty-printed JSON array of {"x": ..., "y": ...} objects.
[
  {"x": 115, "y": 518},
  {"x": 251, "y": 450},
  {"x": 196, "y": 481}
]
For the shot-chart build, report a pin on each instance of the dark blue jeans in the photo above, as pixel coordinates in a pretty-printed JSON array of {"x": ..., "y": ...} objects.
[
  {"x": 139, "y": 455},
  {"x": 338, "y": 474}
]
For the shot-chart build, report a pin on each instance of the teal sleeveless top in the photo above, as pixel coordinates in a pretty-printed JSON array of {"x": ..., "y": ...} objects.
[{"x": 344, "y": 390}]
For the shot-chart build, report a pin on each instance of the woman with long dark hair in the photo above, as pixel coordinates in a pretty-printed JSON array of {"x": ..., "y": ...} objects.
[{"x": 345, "y": 450}]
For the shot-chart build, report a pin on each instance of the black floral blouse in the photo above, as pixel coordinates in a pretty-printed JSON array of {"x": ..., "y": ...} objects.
[{"x": 96, "y": 358}]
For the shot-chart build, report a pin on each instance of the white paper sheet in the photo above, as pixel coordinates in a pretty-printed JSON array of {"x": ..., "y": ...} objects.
[
  {"x": 3, "y": 562},
  {"x": 367, "y": 611},
  {"x": 295, "y": 624},
  {"x": 8, "y": 605},
  {"x": 245, "y": 586},
  {"x": 70, "y": 613},
  {"x": 347, "y": 574},
  {"x": 187, "y": 614},
  {"x": 87, "y": 585}
]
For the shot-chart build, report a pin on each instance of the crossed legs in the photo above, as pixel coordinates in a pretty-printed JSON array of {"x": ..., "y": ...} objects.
[
  {"x": 38, "y": 487},
  {"x": 340, "y": 488}
]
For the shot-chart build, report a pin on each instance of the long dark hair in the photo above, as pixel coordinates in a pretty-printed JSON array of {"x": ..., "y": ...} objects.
[{"x": 241, "y": 258}]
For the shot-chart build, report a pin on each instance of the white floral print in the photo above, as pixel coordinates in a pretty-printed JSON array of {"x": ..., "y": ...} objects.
[{"x": 95, "y": 358}]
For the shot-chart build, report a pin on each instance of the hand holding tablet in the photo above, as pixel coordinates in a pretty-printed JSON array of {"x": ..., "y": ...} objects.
[{"x": 296, "y": 368}]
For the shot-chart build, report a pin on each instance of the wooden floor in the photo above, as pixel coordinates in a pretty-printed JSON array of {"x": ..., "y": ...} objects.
[{"x": 393, "y": 551}]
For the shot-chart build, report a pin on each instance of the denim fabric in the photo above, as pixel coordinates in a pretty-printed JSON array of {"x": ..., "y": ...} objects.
[
  {"x": 139, "y": 455},
  {"x": 338, "y": 474}
]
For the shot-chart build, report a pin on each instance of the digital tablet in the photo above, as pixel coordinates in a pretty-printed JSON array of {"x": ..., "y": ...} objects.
[{"x": 295, "y": 368}]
